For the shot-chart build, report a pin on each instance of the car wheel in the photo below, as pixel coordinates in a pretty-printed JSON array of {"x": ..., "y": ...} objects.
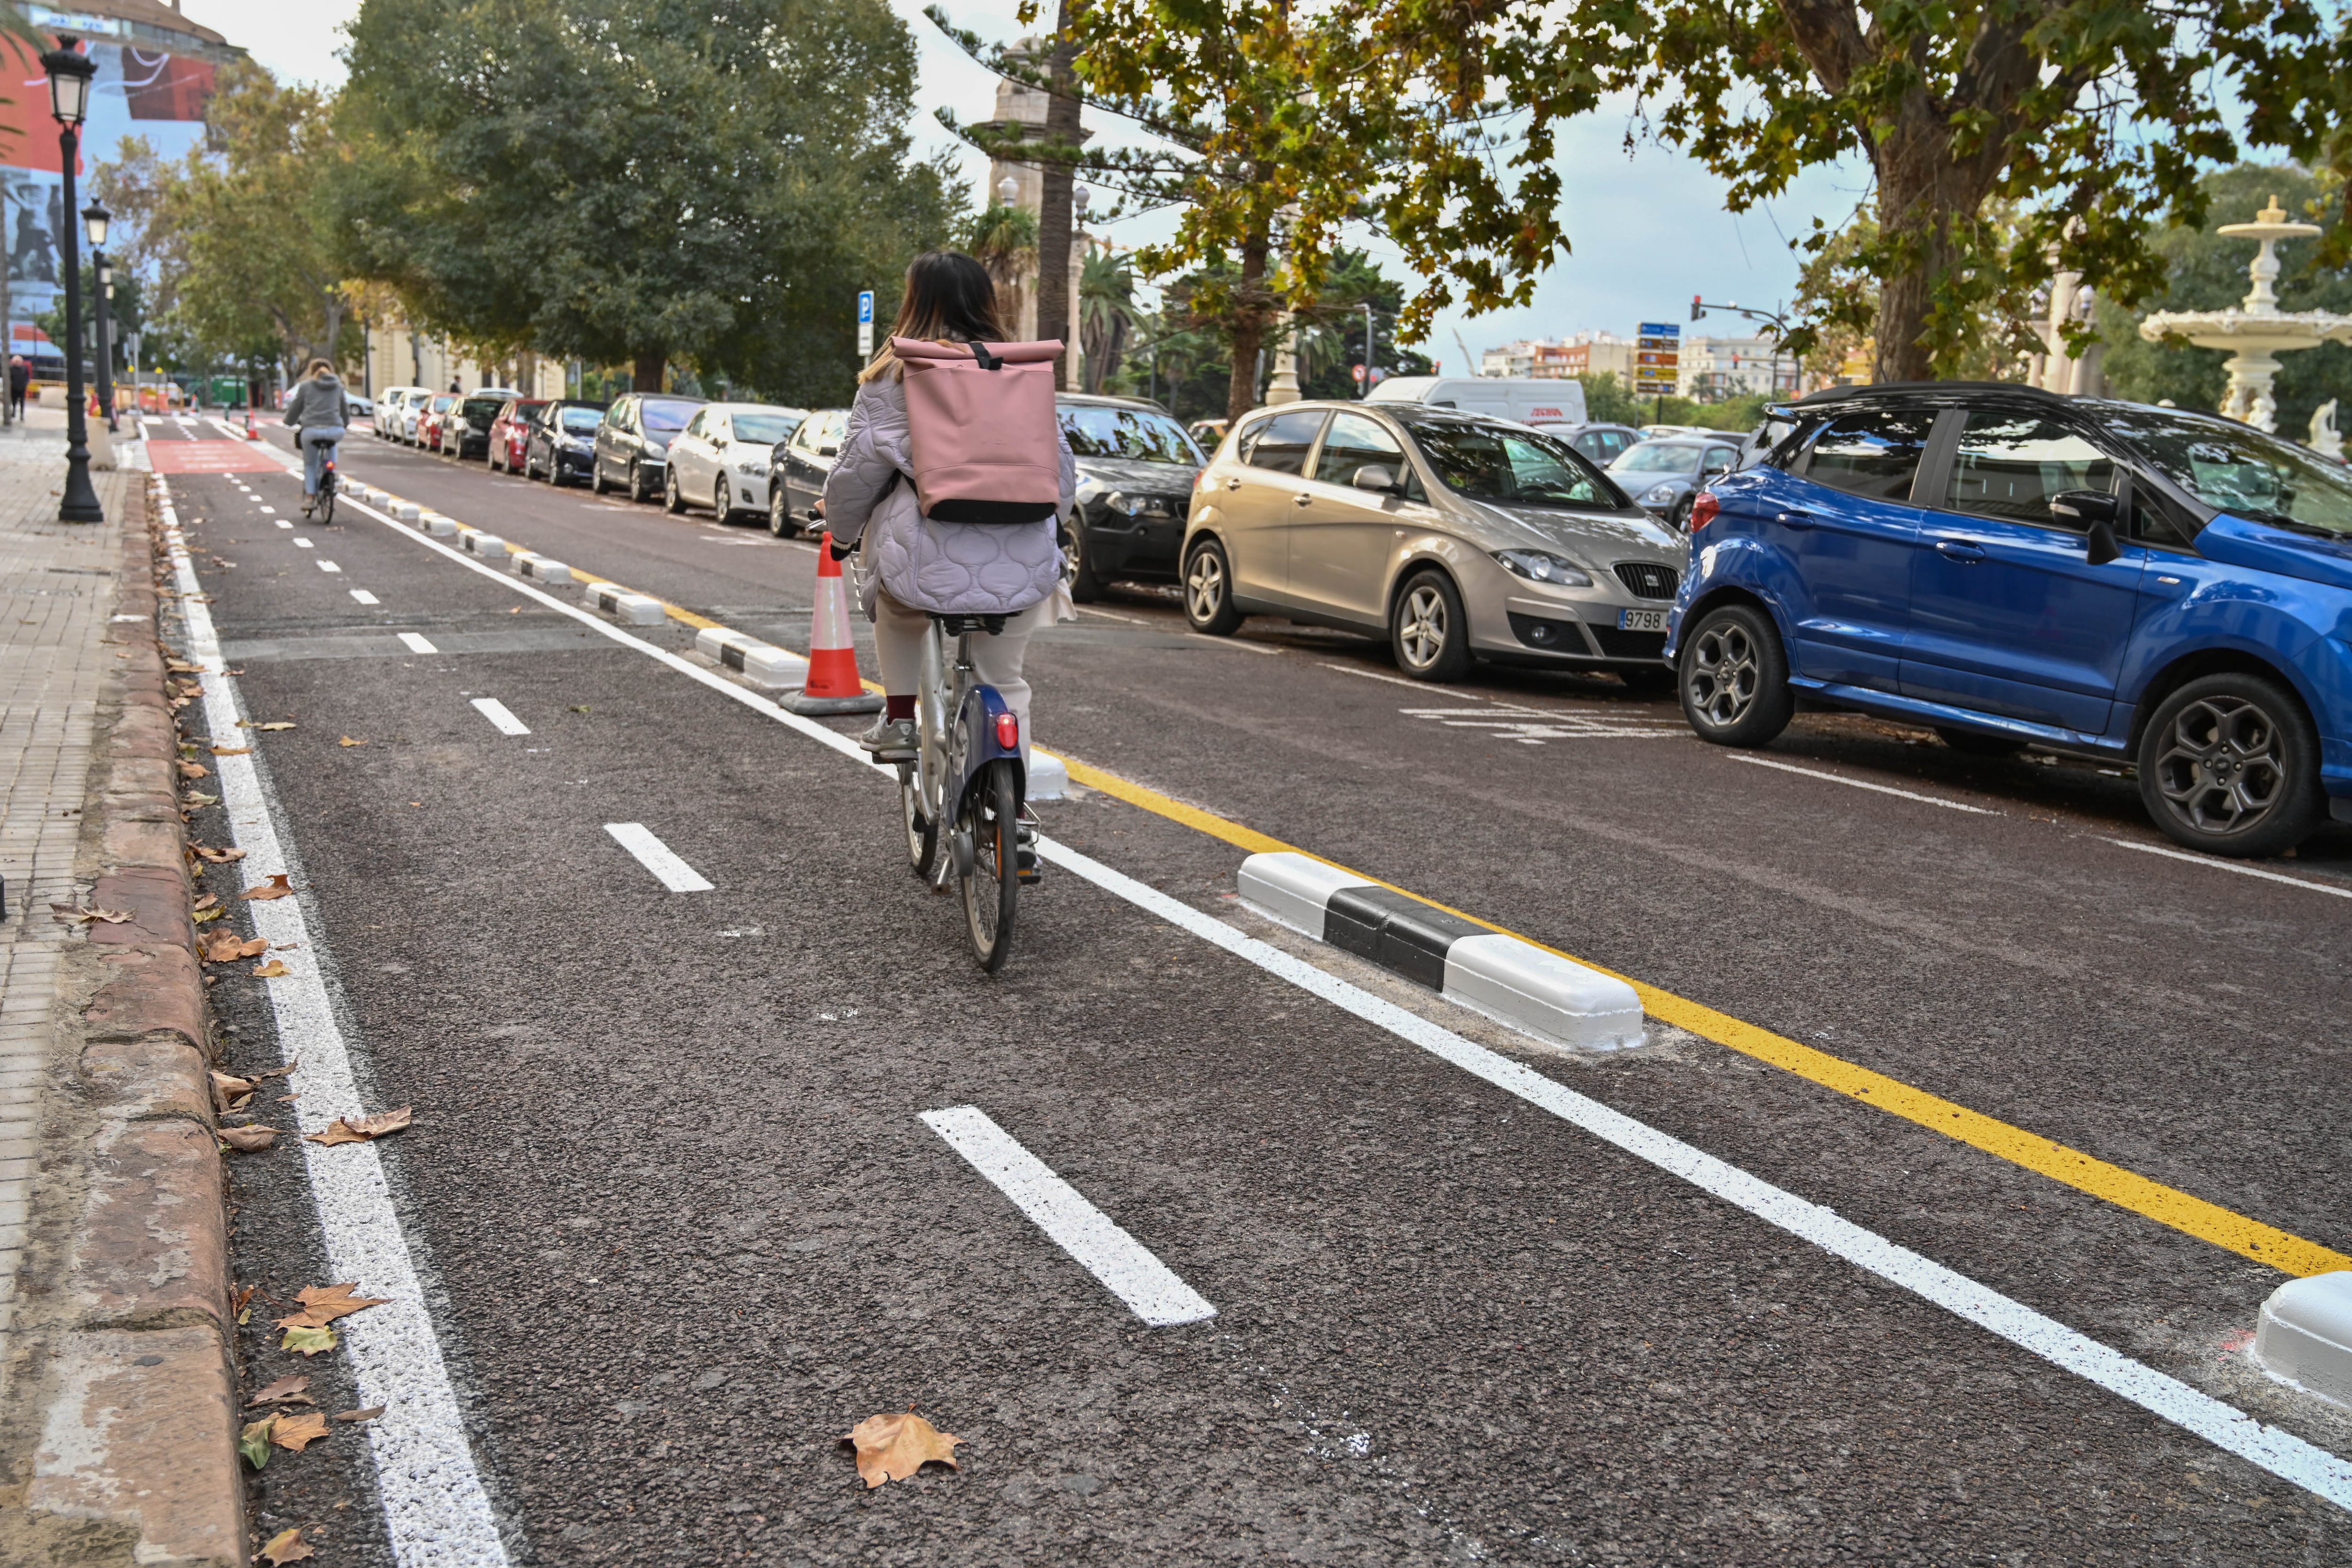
[
  {"x": 1429, "y": 631},
  {"x": 1209, "y": 591},
  {"x": 780, "y": 521},
  {"x": 672, "y": 502},
  {"x": 719, "y": 502},
  {"x": 1735, "y": 678},
  {"x": 637, "y": 484},
  {"x": 2230, "y": 765},
  {"x": 1678, "y": 515},
  {"x": 1969, "y": 743},
  {"x": 1084, "y": 586}
]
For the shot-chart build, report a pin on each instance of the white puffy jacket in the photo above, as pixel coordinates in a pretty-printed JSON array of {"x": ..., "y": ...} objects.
[{"x": 947, "y": 568}]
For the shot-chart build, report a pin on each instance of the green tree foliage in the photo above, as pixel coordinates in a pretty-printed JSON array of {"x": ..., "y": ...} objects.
[
  {"x": 1106, "y": 312},
  {"x": 2088, "y": 118},
  {"x": 2205, "y": 271},
  {"x": 639, "y": 182}
]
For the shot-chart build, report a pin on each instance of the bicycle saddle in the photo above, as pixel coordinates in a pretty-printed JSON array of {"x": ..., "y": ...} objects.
[{"x": 957, "y": 625}]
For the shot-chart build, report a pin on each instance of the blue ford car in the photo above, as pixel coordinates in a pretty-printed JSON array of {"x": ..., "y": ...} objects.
[{"x": 2016, "y": 568}]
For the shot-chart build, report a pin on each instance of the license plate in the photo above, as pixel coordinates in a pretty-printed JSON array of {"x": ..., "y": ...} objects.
[{"x": 1640, "y": 620}]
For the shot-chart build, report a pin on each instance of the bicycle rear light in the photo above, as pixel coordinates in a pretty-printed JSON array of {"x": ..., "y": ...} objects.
[{"x": 1008, "y": 731}]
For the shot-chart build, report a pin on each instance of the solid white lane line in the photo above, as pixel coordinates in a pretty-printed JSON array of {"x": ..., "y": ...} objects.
[
  {"x": 416, "y": 642},
  {"x": 1125, "y": 1266},
  {"x": 1857, "y": 783},
  {"x": 436, "y": 1510},
  {"x": 364, "y": 597},
  {"x": 2212, "y": 863},
  {"x": 493, "y": 709},
  {"x": 658, "y": 857},
  {"x": 2280, "y": 1453},
  {"x": 329, "y": 566}
]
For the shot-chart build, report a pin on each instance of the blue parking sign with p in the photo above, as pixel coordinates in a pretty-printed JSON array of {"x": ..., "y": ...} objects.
[{"x": 865, "y": 306}]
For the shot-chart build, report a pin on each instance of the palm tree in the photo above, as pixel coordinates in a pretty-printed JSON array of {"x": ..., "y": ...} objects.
[
  {"x": 1005, "y": 240},
  {"x": 1106, "y": 310}
]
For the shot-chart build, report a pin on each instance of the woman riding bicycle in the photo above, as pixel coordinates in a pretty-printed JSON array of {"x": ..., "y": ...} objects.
[
  {"x": 919, "y": 568},
  {"x": 319, "y": 414}
]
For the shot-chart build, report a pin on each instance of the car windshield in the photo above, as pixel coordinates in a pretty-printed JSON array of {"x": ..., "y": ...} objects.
[
  {"x": 668, "y": 415},
  {"x": 767, "y": 429},
  {"x": 484, "y": 407},
  {"x": 1500, "y": 463},
  {"x": 1657, "y": 458},
  {"x": 441, "y": 404},
  {"x": 2240, "y": 470},
  {"x": 583, "y": 421},
  {"x": 1132, "y": 432}
]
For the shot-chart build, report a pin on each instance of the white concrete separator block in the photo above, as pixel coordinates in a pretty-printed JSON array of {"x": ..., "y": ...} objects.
[
  {"x": 712, "y": 642},
  {"x": 539, "y": 568},
  {"x": 2304, "y": 1335},
  {"x": 488, "y": 546},
  {"x": 629, "y": 609},
  {"x": 762, "y": 664},
  {"x": 439, "y": 526},
  {"x": 1292, "y": 890},
  {"x": 1048, "y": 778},
  {"x": 1546, "y": 994},
  {"x": 408, "y": 511}
]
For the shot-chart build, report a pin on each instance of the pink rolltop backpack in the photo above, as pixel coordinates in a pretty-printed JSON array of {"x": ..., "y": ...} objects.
[{"x": 987, "y": 446}]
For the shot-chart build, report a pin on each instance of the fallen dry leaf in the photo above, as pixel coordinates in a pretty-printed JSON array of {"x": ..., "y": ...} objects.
[
  {"x": 893, "y": 1446},
  {"x": 277, "y": 1072},
  {"x": 297, "y": 1432},
  {"x": 370, "y": 1414},
  {"x": 248, "y": 1140},
  {"x": 276, "y": 887},
  {"x": 254, "y": 1441},
  {"x": 271, "y": 971},
  {"x": 347, "y": 740},
  {"x": 68, "y": 915},
  {"x": 178, "y": 668},
  {"x": 198, "y": 797},
  {"x": 225, "y": 946},
  {"x": 285, "y": 1391},
  {"x": 227, "y": 1087},
  {"x": 204, "y": 916},
  {"x": 361, "y": 1128},
  {"x": 286, "y": 1546},
  {"x": 232, "y": 750},
  {"x": 307, "y": 1341},
  {"x": 323, "y": 1304},
  {"x": 189, "y": 770},
  {"x": 210, "y": 900},
  {"x": 220, "y": 857},
  {"x": 276, "y": 724}
]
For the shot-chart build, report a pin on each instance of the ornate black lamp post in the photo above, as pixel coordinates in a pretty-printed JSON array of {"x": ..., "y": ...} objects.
[
  {"x": 94, "y": 218},
  {"x": 70, "y": 71}
]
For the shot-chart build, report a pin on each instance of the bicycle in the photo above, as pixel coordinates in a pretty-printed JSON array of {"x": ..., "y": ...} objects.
[
  {"x": 320, "y": 507},
  {"x": 967, "y": 773}
]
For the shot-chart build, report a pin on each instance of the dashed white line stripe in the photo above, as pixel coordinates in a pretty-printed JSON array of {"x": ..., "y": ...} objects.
[
  {"x": 416, "y": 642},
  {"x": 2212, "y": 863},
  {"x": 329, "y": 566},
  {"x": 1857, "y": 783},
  {"x": 436, "y": 1512},
  {"x": 302, "y": 543},
  {"x": 658, "y": 857},
  {"x": 1125, "y": 1266},
  {"x": 364, "y": 597},
  {"x": 496, "y": 712}
]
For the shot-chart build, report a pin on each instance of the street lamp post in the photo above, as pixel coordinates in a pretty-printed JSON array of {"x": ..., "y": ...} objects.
[
  {"x": 94, "y": 219},
  {"x": 70, "y": 71}
]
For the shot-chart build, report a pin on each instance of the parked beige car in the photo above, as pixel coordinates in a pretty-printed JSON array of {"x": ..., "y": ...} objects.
[{"x": 1463, "y": 536}]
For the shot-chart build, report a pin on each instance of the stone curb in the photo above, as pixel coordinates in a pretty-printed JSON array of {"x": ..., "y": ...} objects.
[{"x": 136, "y": 1459}]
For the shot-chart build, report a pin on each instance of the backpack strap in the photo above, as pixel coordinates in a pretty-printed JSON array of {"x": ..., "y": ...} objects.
[{"x": 987, "y": 361}]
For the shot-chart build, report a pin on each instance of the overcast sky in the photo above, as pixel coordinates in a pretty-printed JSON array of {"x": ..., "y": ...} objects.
[{"x": 1648, "y": 231}]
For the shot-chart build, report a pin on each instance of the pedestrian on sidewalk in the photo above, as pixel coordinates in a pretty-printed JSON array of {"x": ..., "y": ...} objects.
[
  {"x": 20, "y": 377},
  {"x": 320, "y": 414}
]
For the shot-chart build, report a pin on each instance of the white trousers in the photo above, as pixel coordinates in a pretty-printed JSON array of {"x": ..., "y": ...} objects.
[{"x": 898, "y": 633}]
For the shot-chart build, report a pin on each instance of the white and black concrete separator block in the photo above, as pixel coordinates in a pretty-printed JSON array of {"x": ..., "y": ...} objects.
[
  {"x": 1510, "y": 980},
  {"x": 408, "y": 511},
  {"x": 2304, "y": 1335},
  {"x": 540, "y": 568},
  {"x": 629, "y": 609},
  {"x": 439, "y": 526},
  {"x": 488, "y": 546},
  {"x": 762, "y": 664}
]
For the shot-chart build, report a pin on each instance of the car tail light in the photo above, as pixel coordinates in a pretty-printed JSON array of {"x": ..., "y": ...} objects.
[
  {"x": 1008, "y": 731},
  {"x": 1704, "y": 508}
]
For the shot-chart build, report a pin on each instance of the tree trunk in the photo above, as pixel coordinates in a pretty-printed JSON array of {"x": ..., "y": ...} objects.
[
  {"x": 1922, "y": 192},
  {"x": 645, "y": 371},
  {"x": 1053, "y": 213},
  {"x": 1248, "y": 326}
]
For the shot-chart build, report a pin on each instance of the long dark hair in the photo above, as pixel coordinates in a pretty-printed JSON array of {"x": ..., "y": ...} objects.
[{"x": 948, "y": 295}]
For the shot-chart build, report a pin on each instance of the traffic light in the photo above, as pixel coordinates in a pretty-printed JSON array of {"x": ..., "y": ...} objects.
[{"x": 1698, "y": 312}]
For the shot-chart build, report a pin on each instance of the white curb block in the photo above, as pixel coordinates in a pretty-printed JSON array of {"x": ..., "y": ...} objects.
[
  {"x": 407, "y": 511},
  {"x": 436, "y": 525},
  {"x": 488, "y": 546},
  {"x": 1510, "y": 980},
  {"x": 1048, "y": 778},
  {"x": 629, "y": 609},
  {"x": 2304, "y": 1335},
  {"x": 762, "y": 664},
  {"x": 540, "y": 569}
]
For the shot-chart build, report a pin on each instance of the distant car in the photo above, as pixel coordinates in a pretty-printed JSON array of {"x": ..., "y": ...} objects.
[
  {"x": 1605, "y": 444},
  {"x": 633, "y": 442},
  {"x": 563, "y": 444},
  {"x": 1462, "y": 537},
  {"x": 1136, "y": 467},
  {"x": 1208, "y": 434},
  {"x": 1663, "y": 474},
  {"x": 1528, "y": 399},
  {"x": 362, "y": 407},
  {"x": 510, "y": 432},
  {"x": 466, "y": 429},
  {"x": 797, "y": 470},
  {"x": 428, "y": 421},
  {"x": 389, "y": 407},
  {"x": 722, "y": 457},
  {"x": 1652, "y": 431},
  {"x": 413, "y": 409}
]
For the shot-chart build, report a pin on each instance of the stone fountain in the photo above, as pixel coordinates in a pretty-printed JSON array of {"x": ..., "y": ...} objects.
[{"x": 2258, "y": 332}]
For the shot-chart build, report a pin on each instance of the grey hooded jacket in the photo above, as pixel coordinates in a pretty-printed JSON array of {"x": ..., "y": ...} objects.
[
  {"x": 947, "y": 568},
  {"x": 318, "y": 400}
]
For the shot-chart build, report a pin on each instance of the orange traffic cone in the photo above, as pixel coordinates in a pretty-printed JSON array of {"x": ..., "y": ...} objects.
[
  {"x": 250, "y": 433},
  {"x": 831, "y": 685}
]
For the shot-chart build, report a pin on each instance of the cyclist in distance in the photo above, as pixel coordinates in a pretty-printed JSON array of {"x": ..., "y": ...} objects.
[
  {"x": 319, "y": 414},
  {"x": 913, "y": 567}
]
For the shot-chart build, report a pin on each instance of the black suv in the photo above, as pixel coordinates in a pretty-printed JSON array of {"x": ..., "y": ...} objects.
[
  {"x": 633, "y": 444},
  {"x": 1136, "y": 468},
  {"x": 466, "y": 432}
]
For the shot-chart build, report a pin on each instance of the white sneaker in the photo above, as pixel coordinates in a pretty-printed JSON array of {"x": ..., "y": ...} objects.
[{"x": 891, "y": 741}]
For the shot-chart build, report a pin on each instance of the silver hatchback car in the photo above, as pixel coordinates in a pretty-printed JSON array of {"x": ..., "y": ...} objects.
[{"x": 1463, "y": 536}]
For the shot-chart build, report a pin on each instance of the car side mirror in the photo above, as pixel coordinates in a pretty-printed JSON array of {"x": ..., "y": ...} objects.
[
  {"x": 2095, "y": 512},
  {"x": 1376, "y": 476},
  {"x": 828, "y": 450}
]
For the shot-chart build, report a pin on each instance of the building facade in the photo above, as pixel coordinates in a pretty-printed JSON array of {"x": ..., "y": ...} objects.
[
  {"x": 1562, "y": 359},
  {"x": 1714, "y": 370},
  {"x": 395, "y": 356}
]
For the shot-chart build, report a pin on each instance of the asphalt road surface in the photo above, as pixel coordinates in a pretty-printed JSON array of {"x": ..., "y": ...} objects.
[{"x": 678, "y": 1223}]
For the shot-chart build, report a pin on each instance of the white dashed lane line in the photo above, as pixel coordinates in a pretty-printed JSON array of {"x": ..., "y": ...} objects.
[
  {"x": 656, "y": 856},
  {"x": 283, "y": 523},
  {"x": 1857, "y": 783},
  {"x": 416, "y": 642},
  {"x": 2213, "y": 863},
  {"x": 364, "y": 597},
  {"x": 300, "y": 543},
  {"x": 1125, "y": 1266},
  {"x": 496, "y": 712},
  {"x": 329, "y": 566}
]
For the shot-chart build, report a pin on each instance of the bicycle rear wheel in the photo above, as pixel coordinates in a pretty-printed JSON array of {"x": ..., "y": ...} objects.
[
  {"x": 991, "y": 887},
  {"x": 326, "y": 512},
  {"x": 922, "y": 835}
]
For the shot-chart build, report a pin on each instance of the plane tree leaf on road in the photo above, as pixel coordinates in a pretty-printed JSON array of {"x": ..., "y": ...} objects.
[
  {"x": 286, "y": 1546},
  {"x": 2090, "y": 119},
  {"x": 361, "y": 1128},
  {"x": 895, "y": 1444},
  {"x": 323, "y": 1304},
  {"x": 285, "y": 1391}
]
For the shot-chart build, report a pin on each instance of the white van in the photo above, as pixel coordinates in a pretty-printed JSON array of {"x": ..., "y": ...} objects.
[{"x": 1527, "y": 399}]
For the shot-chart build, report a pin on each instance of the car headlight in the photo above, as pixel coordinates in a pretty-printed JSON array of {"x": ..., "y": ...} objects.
[
  {"x": 577, "y": 444},
  {"x": 1090, "y": 489},
  {"x": 1659, "y": 495},
  {"x": 1538, "y": 566},
  {"x": 1125, "y": 505},
  {"x": 756, "y": 471}
]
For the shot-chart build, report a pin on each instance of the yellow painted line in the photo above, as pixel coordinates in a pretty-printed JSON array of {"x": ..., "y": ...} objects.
[{"x": 2224, "y": 1228}]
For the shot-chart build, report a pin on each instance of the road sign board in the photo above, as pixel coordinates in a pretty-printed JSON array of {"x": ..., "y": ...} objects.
[
  {"x": 1659, "y": 329},
  {"x": 866, "y": 323}
]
